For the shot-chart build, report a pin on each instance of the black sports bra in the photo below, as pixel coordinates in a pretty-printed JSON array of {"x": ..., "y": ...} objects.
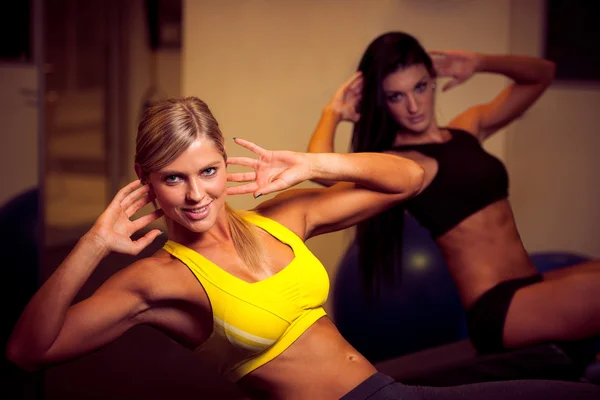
[{"x": 468, "y": 179}]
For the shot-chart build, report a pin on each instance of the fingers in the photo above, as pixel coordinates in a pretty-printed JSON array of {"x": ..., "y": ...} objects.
[
  {"x": 244, "y": 161},
  {"x": 275, "y": 186},
  {"x": 356, "y": 91},
  {"x": 125, "y": 191},
  {"x": 146, "y": 219},
  {"x": 241, "y": 177},
  {"x": 134, "y": 195},
  {"x": 353, "y": 84},
  {"x": 252, "y": 187},
  {"x": 356, "y": 88},
  {"x": 450, "y": 85},
  {"x": 139, "y": 203},
  {"x": 354, "y": 96},
  {"x": 242, "y": 189},
  {"x": 144, "y": 241},
  {"x": 250, "y": 146},
  {"x": 437, "y": 53},
  {"x": 442, "y": 63},
  {"x": 440, "y": 67},
  {"x": 355, "y": 79}
]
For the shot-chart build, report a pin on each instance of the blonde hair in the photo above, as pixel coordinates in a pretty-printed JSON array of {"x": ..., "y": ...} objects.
[{"x": 166, "y": 130}]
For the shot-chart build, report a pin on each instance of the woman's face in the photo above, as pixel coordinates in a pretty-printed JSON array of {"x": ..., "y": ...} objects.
[
  {"x": 192, "y": 189},
  {"x": 409, "y": 94}
]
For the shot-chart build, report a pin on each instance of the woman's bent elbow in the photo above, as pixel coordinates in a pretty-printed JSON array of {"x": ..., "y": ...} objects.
[
  {"x": 416, "y": 178},
  {"x": 18, "y": 357}
]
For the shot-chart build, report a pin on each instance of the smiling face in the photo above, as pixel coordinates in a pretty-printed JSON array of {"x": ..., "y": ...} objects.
[
  {"x": 181, "y": 154},
  {"x": 409, "y": 94},
  {"x": 191, "y": 190}
]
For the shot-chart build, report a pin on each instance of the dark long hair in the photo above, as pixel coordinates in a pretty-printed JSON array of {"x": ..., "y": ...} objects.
[{"x": 380, "y": 238}]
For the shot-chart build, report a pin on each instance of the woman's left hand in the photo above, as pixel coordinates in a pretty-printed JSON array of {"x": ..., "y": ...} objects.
[
  {"x": 273, "y": 170},
  {"x": 459, "y": 65}
]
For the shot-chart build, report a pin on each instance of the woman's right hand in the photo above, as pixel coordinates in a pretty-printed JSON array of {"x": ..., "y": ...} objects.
[
  {"x": 345, "y": 100},
  {"x": 459, "y": 65},
  {"x": 113, "y": 229}
]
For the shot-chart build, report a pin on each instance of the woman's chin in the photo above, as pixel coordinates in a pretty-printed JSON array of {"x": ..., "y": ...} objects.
[{"x": 418, "y": 128}]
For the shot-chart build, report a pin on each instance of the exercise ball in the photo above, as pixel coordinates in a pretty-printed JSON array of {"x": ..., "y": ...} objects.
[
  {"x": 421, "y": 310},
  {"x": 549, "y": 260}
]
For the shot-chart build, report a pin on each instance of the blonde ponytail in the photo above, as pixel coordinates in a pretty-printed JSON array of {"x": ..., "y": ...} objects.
[{"x": 245, "y": 239}]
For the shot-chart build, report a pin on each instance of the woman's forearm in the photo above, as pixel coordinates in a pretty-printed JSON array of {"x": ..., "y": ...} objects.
[
  {"x": 521, "y": 69},
  {"x": 377, "y": 171},
  {"x": 43, "y": 317},
  {"x": 322, "y": 140}
]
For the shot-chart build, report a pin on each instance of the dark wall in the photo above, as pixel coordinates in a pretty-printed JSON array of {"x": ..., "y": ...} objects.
[
  {"x": 19, "y": 244},
  {"x": 572, "y": 32}
]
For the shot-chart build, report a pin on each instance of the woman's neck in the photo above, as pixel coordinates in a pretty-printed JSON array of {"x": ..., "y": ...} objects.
[
  {"x": 218, "y": 233},
  {"x": 433, "y": 134}
]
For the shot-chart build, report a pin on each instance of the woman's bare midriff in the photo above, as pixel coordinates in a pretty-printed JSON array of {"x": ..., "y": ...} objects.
[
  {"x": 484, "y": 250},
  {"x": 321, "y": 364}
]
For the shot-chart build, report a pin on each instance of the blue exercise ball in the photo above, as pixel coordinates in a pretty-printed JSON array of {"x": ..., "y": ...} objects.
[
  {"x": 419, "y": 311},
  {"x": 550, "y": 260}
]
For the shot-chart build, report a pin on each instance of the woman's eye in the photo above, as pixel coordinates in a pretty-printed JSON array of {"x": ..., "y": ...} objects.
[
  {"x": 172, "y": 179},
  {"x": 395, "y": 97},
  {"x": 209, "y": 171},
  {"x": 421, "y": 87}
]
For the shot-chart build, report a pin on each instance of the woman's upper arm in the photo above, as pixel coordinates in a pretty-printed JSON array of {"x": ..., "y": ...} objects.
[
  {"x": 116, "y": 306},
  {"x": 483, "y": 120},
  {"x": 346, "y": 204},
  {"x": 312, "y": 212}
]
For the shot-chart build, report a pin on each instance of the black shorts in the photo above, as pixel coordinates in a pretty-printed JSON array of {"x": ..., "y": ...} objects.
[
  {"x": 382, "y": 387},
  {"x": 486, "y": 318}
]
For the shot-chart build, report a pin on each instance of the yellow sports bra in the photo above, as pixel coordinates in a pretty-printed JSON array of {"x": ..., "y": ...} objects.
[{"x": 255, "y": 322}]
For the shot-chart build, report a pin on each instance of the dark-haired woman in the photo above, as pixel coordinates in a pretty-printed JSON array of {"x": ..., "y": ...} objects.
[{"x": 464, "y": 200}]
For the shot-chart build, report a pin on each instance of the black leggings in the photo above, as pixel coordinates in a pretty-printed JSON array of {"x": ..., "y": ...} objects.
[{"x": 382, "y": 387}]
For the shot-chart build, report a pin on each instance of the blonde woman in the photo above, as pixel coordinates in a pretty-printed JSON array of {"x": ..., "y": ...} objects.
[{"x": 237, "y": 286}]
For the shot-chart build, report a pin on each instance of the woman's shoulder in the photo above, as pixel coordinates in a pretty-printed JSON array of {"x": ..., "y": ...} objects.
[
  {"x": 170, "y": 291},
  {"x": 158, "y": 261},
  {"x": 460, "y": 130},
  {"x": 467, "y": 122},
  {"x": 287, "y": 209},
  {"x": 156, "y": 276}
]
